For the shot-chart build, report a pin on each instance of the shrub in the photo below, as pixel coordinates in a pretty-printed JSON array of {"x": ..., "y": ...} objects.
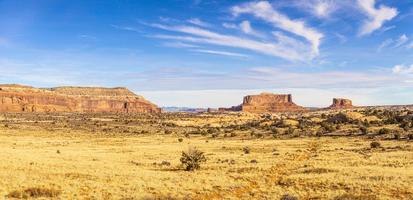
[
  {"x": 34, "y": 192},
  {"x": 192, "y": 159},
  {"x": 375, "y": 144},
  {"x": 246, "y": 150},
  {"x": 290, "y": 131},
  {"x": 275, "y": 131},
  {"x": 328, "y": 127},
  {"x": 384, "y": 131},
  {"x": 363, "y": 130},
  {"x": 396, "y": 136},
  {"x": 288, "y": 197}
]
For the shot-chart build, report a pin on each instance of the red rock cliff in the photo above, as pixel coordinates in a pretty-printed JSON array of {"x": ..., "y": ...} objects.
[
  {"x": 267, "y": 102},
  {"x": 339, "y": 103},
  {"x": 16, "y": 98}
]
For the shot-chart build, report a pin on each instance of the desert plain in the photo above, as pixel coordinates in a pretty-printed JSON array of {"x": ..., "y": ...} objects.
[{"x": 365, "y": 153}]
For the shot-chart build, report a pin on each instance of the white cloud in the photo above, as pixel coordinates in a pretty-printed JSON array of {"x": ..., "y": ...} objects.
[
  {"x": 230, "y": 25},
  {"x": 247, "y": 29},
  {"x": 323, "y": 8},
  {"x": 198, "y": 22},
  {"x": 126, "y": 28},
  {"x": 285, "y": 47},
  {"x": 222, "y": 53},
  {"x": 402, "y": 40},
  {"x": 385, "y": 43},
  {"x": 402, "y": 69},
  {"x": 266, "y": 12},
  {"x": 179, "y": 45},
  {"x": 394, "y": 43},
  {"x": 376, "y": 16}
]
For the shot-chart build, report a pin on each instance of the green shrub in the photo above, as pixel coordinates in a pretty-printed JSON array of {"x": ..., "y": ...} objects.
[
  {"x": 384, "y": 131},
  {"x": 375, "y": 144},
  {"x": 396, "y": 136},
  {"x": 192, "y": 159}
]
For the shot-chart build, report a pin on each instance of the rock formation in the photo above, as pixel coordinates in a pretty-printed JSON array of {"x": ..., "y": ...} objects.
[
  {"x": 17, "y": 98},
  {"x": 267, "y": 102},
  {"x": 339, "y": 103}
]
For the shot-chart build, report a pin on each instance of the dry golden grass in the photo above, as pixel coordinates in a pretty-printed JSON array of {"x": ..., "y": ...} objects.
[{"x": 81, "y": 165}]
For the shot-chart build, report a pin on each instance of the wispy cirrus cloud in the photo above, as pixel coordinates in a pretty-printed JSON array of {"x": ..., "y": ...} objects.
[
  {"x": 403, "y": 69},
  {"x": 319, "y": 8},
  {"x": 126, "y": 28},
  {"x": 263, "y": 10},
  {"x": 284, "y": 47},
  {"x": 280, "y": 45},
  {"x": 230, "y": 25},
  {"x": 198, "y": 22},
  {"x": 222, "y": 53},
  {"x": 247, "y": 29},
  {"x": 376, "y": 16},
  {"x": 402, "y": 40},
  {"x": 179, "y": 45}
]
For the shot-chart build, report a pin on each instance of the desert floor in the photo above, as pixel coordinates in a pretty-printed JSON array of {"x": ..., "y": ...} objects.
[{"x": 77, "y": 165}]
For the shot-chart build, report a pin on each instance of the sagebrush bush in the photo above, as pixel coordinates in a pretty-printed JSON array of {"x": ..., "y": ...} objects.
[
  {"x": 246, "y": 150},
  {"x": 34, "y": 192},
  {"x": 363, "y": 130},
  {"x": 396, "y": 136},
  {"x": 192, "y": 159},
  {"x": 384, "y": 131},
  {"x": 288, "y": 197},
  {"x": 375, "y": 144}
]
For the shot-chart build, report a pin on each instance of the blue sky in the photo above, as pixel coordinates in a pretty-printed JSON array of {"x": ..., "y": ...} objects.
[{"x": 203, "y": 53}]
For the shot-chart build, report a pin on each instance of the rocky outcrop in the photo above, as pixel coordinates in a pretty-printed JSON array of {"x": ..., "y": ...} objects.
[
  {"x": 340, "y": 103},
  {"x": 17, "y": 98},
  {"x": 267, "y": 102}
]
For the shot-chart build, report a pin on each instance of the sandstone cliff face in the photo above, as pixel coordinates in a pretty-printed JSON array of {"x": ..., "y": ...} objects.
[
  {"x": 267, "y": 102},
  {"x": 339, "y": 103},
  {"x": 16, "y": 98}
]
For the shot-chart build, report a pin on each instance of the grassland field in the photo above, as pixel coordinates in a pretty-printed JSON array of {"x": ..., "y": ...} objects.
[{"x": 80, "y": 156}]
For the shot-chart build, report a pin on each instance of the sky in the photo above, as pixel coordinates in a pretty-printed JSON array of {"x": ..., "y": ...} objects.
[{"x": 211, "y": 53}]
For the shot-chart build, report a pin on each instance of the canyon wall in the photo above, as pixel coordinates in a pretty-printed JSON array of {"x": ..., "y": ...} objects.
[{"x": 17, "y": 98}]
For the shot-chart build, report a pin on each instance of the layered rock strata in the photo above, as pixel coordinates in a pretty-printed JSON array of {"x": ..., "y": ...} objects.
[
  {"x": 340, "y": 103},
  {"x": 267, "y": 103},
  {"x": 17, "y": 98}
]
